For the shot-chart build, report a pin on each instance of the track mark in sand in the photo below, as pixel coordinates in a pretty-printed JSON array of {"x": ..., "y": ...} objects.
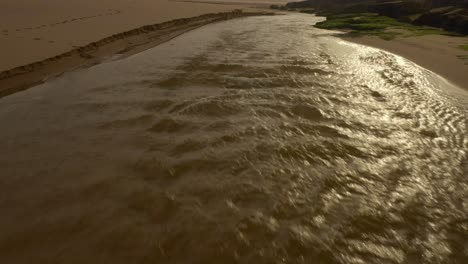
[{"x": 111, "y": 12}]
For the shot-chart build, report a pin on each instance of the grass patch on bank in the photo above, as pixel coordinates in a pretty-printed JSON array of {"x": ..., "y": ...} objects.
[
  {"x": 360, "y": 22},
  {"x": 464, "y": 47},
  {"x": 369, "y": 24}
]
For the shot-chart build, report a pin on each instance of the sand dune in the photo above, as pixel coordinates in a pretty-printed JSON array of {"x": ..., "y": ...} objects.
[{"x": 35, "y": 30}]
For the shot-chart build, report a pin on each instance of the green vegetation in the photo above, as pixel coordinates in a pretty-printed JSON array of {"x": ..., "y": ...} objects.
[
  {"x": 372, "y": 24},
  {"x": 451, "y": 15},
  {"x": 464, "y": 47},
  {"x": 363, "y": 21},
  {"x": 279, "y": 7}
]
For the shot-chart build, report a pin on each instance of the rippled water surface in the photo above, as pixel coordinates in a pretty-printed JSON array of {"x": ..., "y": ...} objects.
[{"x": 258, "y": 140}]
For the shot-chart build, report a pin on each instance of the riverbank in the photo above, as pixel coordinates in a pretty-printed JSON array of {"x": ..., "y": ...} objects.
[
  {"x": 438, "y": 53},
  {"x": 433, "y": 48},
  {"x": 36, "y": 30},
  {"x": 121, "y": 45}
]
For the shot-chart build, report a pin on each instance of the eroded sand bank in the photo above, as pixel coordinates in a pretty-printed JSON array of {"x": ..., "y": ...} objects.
[
  {"x": 118, "y": 45},
  {"x": 35, "y": 30}
]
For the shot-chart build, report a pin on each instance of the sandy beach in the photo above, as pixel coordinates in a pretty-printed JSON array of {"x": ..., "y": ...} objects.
[
  {"x": 31, "y": 31},
  {"x": 47, "y": 48},
  {"x": 117, "y": 46},
  {"x": 438, "y": 53}
]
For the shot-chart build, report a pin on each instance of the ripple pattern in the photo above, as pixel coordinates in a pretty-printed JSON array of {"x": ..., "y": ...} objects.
[
  {"x": 304, "y": 149},
  {"x": 265, "y": 140}
]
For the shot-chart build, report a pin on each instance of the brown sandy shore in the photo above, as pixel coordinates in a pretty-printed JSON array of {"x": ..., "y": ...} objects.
[
  {"x": 32, "y": 31},
  {"x": 437, "y": 53},
  {"x": 121, "y": 44}
]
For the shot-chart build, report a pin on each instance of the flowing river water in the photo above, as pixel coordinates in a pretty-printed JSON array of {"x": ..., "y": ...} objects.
[{"x": 256, "y": 140}]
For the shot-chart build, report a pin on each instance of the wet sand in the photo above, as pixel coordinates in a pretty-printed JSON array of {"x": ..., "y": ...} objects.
[{"x": 437, "y": 53}]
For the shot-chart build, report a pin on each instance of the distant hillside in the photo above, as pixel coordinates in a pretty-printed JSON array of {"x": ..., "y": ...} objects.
[
  {"x": 424, "y": 3},
  {"x": 450, "y": 15}
]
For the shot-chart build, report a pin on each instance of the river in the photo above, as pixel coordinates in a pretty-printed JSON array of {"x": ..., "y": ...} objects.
[{"x": 256, "y": 140}]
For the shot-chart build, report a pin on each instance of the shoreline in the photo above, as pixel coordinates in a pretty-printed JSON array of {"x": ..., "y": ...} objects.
[
  {"x": 437, "y": 53},
  {"x": 434, "y": 49},
  {"x": 34, "y": 31},
  {"x": 122, "y": 44}
]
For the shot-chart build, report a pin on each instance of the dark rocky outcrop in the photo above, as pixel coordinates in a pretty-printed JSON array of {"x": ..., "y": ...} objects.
[
  {"x": 397, "y": 9},
  {"x": 451, "y": 19}
]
